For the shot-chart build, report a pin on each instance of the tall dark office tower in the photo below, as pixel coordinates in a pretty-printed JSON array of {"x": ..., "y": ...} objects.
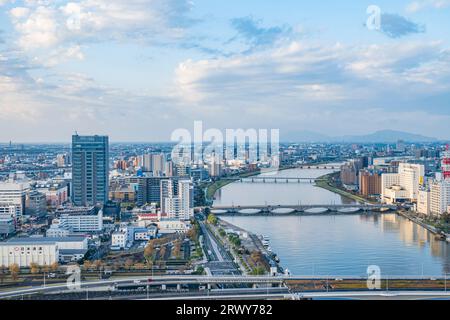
[{"x": 90, "y": 170}]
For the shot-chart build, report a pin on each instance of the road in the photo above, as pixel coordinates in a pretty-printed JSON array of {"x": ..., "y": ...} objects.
[{"x": 211, "y": 243}]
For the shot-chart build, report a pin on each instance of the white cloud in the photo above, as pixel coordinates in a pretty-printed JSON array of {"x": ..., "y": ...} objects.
[
  {"x": 52, "y": 24},
  {"x": 419, "y": 5},
  {"x": 301, "y": 85}
]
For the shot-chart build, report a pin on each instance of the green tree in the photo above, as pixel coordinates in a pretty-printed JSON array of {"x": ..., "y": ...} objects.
[{"x": 212, "y": 219}]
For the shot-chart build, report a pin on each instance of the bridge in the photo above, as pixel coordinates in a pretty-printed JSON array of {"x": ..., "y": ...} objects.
[
  {"x": 277, "y": 283},
  {"x": 292, "y": 209},
  {"x": 268, "y": 179},
  {"x": 319, "y": 167}
]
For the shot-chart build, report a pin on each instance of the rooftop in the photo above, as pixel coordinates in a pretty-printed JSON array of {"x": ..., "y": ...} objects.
[{"x": 41, "y": 240}]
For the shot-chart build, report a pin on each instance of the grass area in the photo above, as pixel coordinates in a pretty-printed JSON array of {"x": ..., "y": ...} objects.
[
  {"x": 326, "y": 182},
  {"x": 213, "y": 188}
]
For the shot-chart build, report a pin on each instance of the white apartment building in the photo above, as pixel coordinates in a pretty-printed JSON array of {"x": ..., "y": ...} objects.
[
  {"x": 119, "y": 240},
  {"x": 12, "y": 197},
  {"x": 83, "y": 220},
  {"x": 423, "y": 202},
  {"x": 411, "y": 178},
  {"x": 439, "y": 196},
  {"x": 58, "y": 230},
  {"x": 404, "y": 185},
  {"x": 177, "y": 199}
]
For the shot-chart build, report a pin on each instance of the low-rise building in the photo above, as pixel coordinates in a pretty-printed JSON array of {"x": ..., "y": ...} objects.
[
  {"x": 173, "y": 226},
  {"x": 25, "y": 251},
  {"x": 119, "y": 240},
  {"x": 82, "y": 219},
  {"x": 395, "y": 194},
  {"x": 7, "y": 226},
  {"x": 42, "y": 250},
  {"x": 56, "y": 193}
]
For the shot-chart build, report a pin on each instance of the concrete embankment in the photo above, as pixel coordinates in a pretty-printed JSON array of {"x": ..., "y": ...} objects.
[{"x": 417, "y": 221}]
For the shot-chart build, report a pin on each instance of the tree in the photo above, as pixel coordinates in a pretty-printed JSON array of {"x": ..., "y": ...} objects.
[
  {"x": 149, "y": 251},
  {"x": 87, "y": 265},
  {"x": 258, "y": 271},
  {"x": 140, "y": 266},
  {"x": 54, "y": 266},
  {"x": 200, "y": 271},
  {"x": 128, "y": 264},
  {"x": 14, "y": 269},
  {"x": 98, "y": 264},
  {"x": 177, "y": 249},
  {"x": 34, "y": 268},
  {"x": 212, "y": 219},
  {"x": 162, "y": 252}
]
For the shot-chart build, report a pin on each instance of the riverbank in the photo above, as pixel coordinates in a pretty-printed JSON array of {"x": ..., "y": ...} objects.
[
  {"x": 217, "y": 185},
  {"x": 326, "y": 182},
  {"x": 416, "y": 220}
]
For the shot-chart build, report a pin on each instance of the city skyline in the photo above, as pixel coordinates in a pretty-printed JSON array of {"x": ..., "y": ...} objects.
[{"x": 136, "y": 71}]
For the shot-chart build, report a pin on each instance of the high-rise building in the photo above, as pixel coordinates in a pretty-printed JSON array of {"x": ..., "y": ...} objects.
[
  {"x": 423, "y": 202},
  {"x": 446, "y": 164},
  {"x": 90, "y": 170},
  {"x": 439, "y": 196},
  {"x": 404, "y": 185},
  {"x": 62, "y": 160},
  {"x": 149, "y": 190},
  {"x": 215, "y": 168},
  {"x": 13, "y": 195},
  {"x": 349, "y": 173},
  {"x": 155, "y": 163},
  {"x": 411, "y": 178},
  {"x": 177, "y": 198},
  {"x": 369, "y": 183}
]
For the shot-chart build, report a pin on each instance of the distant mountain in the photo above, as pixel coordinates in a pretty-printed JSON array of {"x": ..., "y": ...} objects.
[
  {"x": 383, "y": 136},
  {"x": 387, "y": 136}
]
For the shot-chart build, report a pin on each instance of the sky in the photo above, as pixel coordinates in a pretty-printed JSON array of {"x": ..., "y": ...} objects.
[{"x": 137, "y": 70}]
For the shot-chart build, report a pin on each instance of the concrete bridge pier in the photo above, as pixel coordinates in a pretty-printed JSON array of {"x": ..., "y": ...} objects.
[
  {"x": 163, "y": 287},
  {"x": 178, "y": 287}
]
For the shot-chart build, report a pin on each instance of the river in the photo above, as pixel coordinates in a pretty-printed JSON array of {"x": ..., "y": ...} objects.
[{"x": 335, "y": 245}]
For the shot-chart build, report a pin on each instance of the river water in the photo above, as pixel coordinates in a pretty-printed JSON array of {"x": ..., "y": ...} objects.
[{"x": 335, "y": 245}]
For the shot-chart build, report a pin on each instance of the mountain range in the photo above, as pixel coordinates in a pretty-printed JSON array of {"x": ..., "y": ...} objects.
[{"x": 382, "y": 136}]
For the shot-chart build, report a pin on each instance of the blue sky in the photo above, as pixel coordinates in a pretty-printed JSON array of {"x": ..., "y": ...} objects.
[{"x": 139, "y": 69}]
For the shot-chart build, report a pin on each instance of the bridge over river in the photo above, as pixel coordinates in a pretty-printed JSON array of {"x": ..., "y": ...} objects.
[
  {"x": 294, "y": 209},
  {"x": 268, "y": 179}
]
